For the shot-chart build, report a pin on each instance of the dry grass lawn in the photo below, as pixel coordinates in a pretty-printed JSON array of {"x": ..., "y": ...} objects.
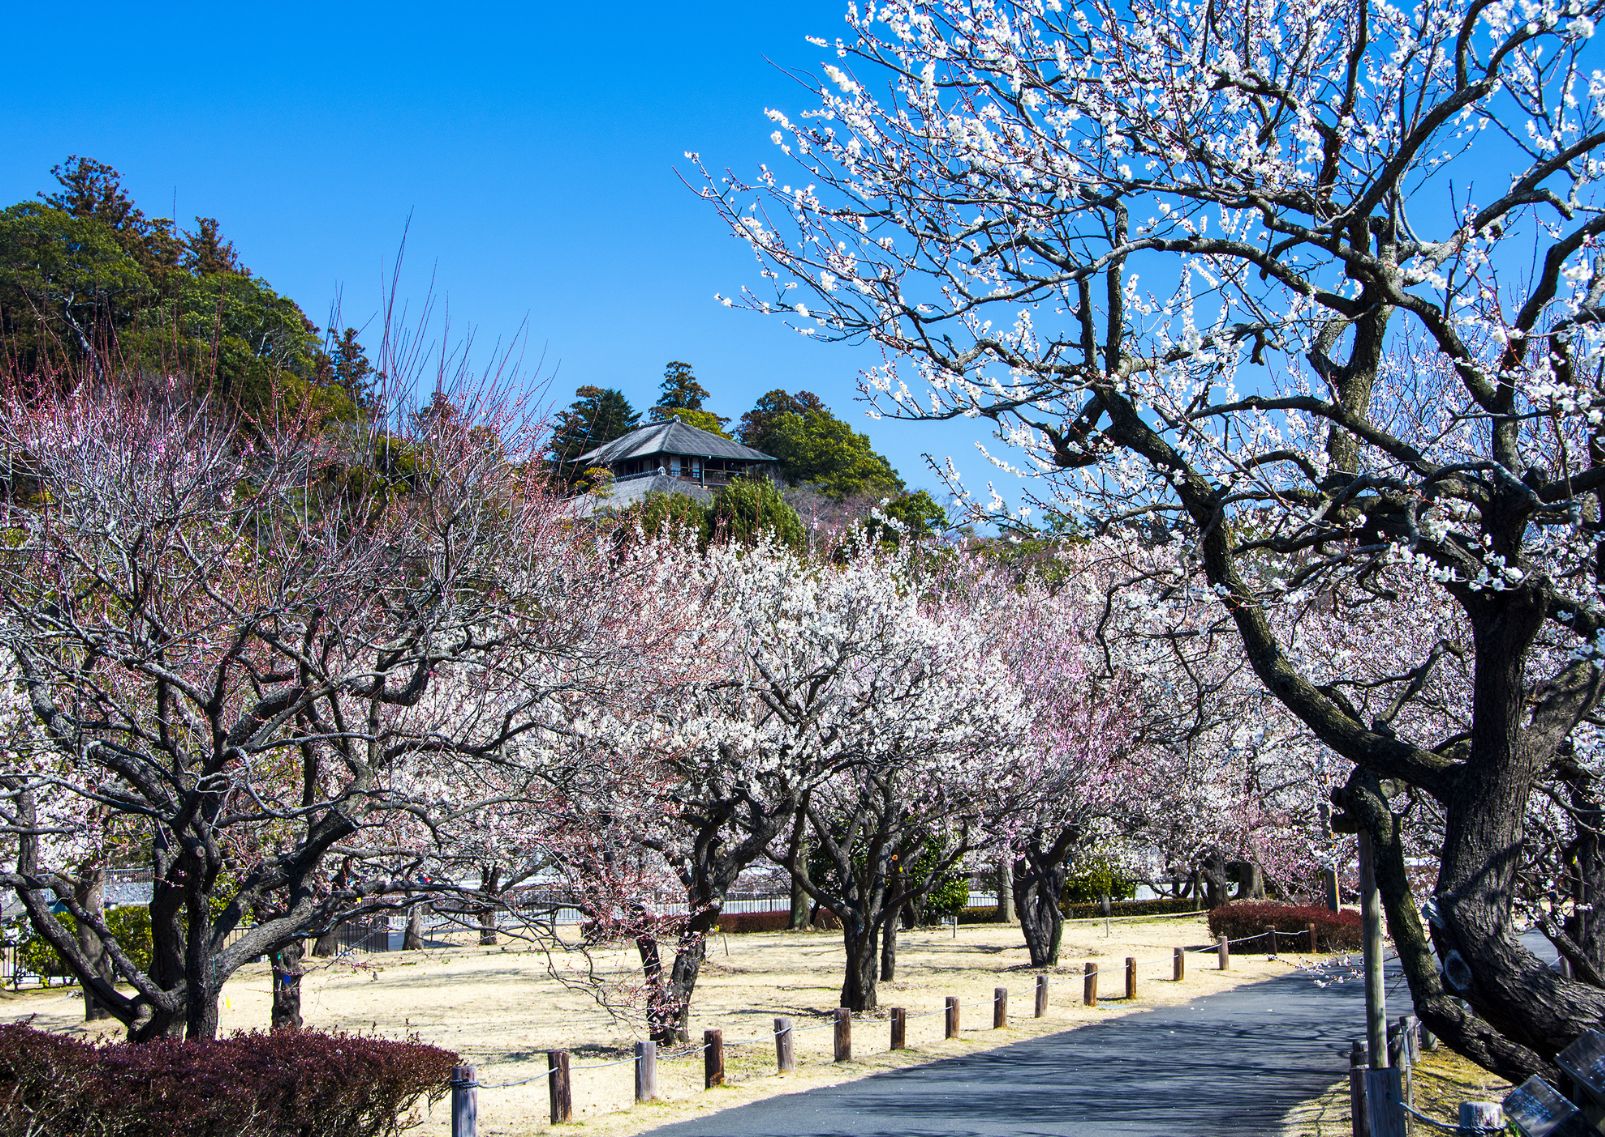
[{"x": 503, "y": 1007}]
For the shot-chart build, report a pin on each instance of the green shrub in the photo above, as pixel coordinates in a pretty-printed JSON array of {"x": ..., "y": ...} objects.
[
  {"x": 1094, "y": 879},
  {"x": 948, "y": 898},
  {"x": 749, "y": 508},
  {"x": 129, "y": 923}
]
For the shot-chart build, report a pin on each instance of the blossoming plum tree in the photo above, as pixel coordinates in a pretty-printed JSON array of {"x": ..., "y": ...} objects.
[
  {"x": 1317, "y": 289},
  {"x": 228, "y": 635}
]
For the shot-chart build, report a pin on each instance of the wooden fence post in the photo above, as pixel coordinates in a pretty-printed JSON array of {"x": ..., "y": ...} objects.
[
  {"x": 464, "y": 1102},
  {"x": 1178, "y": 965},
  {"x": 899, "y": 1028},
  {"x": 560, "y": 1089},
  {"x": 1313, "y": 942},
  {"x": 951, "y": 1025},
  {"x": 1131, "y": 977},
  {"x": 1089, "y": 985},
  {"x": 1384, "y": 1103},
  {"x": 1357, "y": 1090},
  {"x": 1225, "y": 949},
  {"x": 712, "y": 1059},
  {"x": 1042, "y": 996},
  {"x": 1270, "y": 936},
  {"x": 1482, "y": 1116},
  {"x": 785, "y": 1052},
  {"x": 646, "y": 1071},
  {"x": 1000, "y": 1008},
  {"x": 844, "y": 1035}
]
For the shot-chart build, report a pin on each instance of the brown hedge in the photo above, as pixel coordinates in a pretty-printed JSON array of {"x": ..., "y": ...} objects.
[
  {"x": 287, "y": 1084},
  {"x": 1334, "y": 931}
]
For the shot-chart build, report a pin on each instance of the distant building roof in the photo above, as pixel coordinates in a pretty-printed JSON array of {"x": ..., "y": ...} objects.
[
  {"x": 623, "y": 494},
  {"x": 672, "y": 437}
]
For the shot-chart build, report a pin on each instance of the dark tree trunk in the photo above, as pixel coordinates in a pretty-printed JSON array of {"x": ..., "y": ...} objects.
[
  {"x": 1583, "y": 927},
  {"x": 1004, "y": 886},
  {"x": 328, "y": 944},
  {"x": 669, "y": 991},
  {"x": 1214, "y": 885},
  {"x": 889, "y": 951},
  {"x": 862, "y": 940},
  {"x": 1038, "y": 883},
  {"x": 287, "y": 972},
  {"x": 90, "y": 893},
  {"x": 1249, "y": 878},
  {"x": 490, "y": 886},
  {"x": 413, "y": 938},
  {"x": 797, "y": 866}
]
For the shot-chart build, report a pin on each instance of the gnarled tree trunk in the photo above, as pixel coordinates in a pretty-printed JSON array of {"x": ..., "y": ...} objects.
[
  {"x": 90, "y": 892},
  {"x": 287, "y": 972}
]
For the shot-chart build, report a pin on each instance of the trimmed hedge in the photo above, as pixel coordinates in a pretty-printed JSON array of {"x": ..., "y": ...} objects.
[
  {"x": 1155, "y": 906},
  {"x": 738, "y": 922},
  {"x": 287, "y": 1084},
  {"x": 1334, "y": 931},
  {"x": 1158, "y": 906}
]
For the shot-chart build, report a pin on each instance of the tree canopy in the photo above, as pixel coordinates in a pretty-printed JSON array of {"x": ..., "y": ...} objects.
[
  {"x": 816, "y": 447},
  {"x": 1312, "y": 300},
  {"x": 596, "y": 417},
  {"x": 86, "y": 277}
]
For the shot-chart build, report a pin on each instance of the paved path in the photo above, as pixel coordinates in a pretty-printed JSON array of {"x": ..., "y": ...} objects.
[{"x": 1227, "y": 1064}]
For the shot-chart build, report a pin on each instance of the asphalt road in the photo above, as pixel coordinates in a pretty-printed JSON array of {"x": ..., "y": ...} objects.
[{"x": 1227, "y": 1064}]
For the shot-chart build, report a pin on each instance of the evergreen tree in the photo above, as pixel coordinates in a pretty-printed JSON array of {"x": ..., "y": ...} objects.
[
  {"x": 758, "y": 422},
  {"x": 816, "y": 448},
  {"x": 597, "y": 416},
  {"x": 680, "y": 391},
  {"x": 95, "y": 190},
  {"x": 351, "y": 371},
  {"x": 206, "y": 252}
]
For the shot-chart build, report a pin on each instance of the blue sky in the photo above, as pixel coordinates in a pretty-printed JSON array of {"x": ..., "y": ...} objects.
[{"x": 536, "y": 148}]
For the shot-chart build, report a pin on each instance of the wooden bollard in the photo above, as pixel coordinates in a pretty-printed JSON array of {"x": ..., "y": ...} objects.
[
  {"x": 1089, "y": 985},
  {"x": 558, "y": 1086},
  {"x": 1000, "y": 1008},
  {"x": 1131, "y": 977},
  {"x": 1357, "y": 1090},
  {"x": 1270, "y": 938},
  {"x": 1042, "y": 996},
  {"x": 844, "y": 1035},
  {"x": 1178, "y": 965},
  {"x": 899, "y": 1028},
  {"x": 646, "y": 1071},
  {"x": 785, "y": 1051},
  {"x": 1225, "y": 949},
  {"x": 1482, "y": 1117},
  {"x": 951, "y": 1023},
  {"x": 712, "y": 1059},
  {"x": 1310, "y": 928},
  {"x": 464, "y": 1102}
]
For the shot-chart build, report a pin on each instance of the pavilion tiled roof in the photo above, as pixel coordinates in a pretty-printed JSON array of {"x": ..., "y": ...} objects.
[{"x": 672, "y": 437}]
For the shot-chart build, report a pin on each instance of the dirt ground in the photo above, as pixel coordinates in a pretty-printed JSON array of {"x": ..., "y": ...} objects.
[{"x": 503, "y": 1007}]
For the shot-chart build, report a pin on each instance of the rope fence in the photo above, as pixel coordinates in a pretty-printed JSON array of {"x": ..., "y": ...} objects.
[{"x": 558, "y": 1075}]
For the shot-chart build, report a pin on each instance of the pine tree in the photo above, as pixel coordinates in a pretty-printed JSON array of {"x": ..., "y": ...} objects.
[
  {"x": 206, "y": 252},
  {"x": 679, "y": 391},
  {"x": 351, "y": 370},
  {"x": 597, "y": 416}
]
